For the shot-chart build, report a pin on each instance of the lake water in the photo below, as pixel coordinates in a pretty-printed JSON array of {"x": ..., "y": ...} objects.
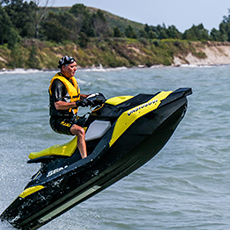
[{"x": 186, "y": 186}]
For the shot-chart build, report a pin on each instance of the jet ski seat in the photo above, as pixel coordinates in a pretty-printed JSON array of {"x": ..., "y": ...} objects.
[
  {"x": 96, "y": 130},
  {"x": 64, "y": 150}
]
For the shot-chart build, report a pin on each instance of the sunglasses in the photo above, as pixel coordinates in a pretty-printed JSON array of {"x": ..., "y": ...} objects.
[{"x": 70, "y": 60}]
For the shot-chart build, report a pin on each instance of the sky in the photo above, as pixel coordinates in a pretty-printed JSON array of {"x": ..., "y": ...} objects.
[{"x": 181, "y": 13}]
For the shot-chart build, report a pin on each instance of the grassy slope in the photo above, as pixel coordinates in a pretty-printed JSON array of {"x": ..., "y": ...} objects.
[{"x": 108, "y": 52}]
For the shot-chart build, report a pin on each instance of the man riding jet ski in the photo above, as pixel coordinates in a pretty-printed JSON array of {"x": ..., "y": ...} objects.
[
  {"x": 65, "y": 98},
  {"x": 122, "y": 134}
]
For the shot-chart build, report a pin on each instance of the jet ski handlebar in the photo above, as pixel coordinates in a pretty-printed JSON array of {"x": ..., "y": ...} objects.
[
  {"x": 92, "y": 100},
  {"x": 95, "y": 99}
]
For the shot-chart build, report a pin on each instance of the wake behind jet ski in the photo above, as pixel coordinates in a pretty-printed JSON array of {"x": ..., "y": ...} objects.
[{"x": 122, "y": 134}]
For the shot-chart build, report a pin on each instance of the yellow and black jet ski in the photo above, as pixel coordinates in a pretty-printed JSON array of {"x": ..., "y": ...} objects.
[{"x": 122, "y": 134}]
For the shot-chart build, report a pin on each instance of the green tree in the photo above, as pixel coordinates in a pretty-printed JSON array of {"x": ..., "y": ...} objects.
[
  {"x": 18, "y": 56},
  {"x": 130, "y": 32},
  {"x": 53, "y": 29},
  {"x": 39, "y": 12},
  {"x": 13, "y": 38},
  {"x": 83, "y": 20},
  {"x": 215, "y": 35},
  {"x": 173, "y": 32},
  {"x": 100, "y": 24},
  {"x": 147, "y": 28},
  {"x": 22, "y": 15},
  {"x": 196, "y": 33},
  {"x": 224, "y": 28},
  {"x": 60, "y": 27},
  {"x": 83, "y": 40},
  {"x": 226, "y": 19},
  {"x": 8, "y": 34},
  {"x": 78, "y": 10},
  {"x": 69, "y": 22},
  {"x": 5, "y": 25},
  {"x": 117, "y": 32},
  {"x": 88, "y": 27},
  {"x": 163, "y": 32},
  {"x": 33, "y": 61},
  {"x": 143, "y": 34},
  {"x": 223, "y": 32},
  {"x": 158, "y": 32},
  {"x": 152, "y": 35}
]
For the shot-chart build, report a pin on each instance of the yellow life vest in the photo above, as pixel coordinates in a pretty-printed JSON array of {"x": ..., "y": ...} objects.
[{"x": 73, "y": 90}]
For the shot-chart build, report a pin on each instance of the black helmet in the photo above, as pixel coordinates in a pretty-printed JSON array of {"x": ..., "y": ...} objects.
[{"x": 66, "y": 60}]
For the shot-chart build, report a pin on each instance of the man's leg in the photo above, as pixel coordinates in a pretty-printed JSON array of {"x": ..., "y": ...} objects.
[{"x": 80, "y": 133}]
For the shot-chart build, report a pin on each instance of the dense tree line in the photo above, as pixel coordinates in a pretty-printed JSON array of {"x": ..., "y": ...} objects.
[{"x": 20, "y": 19}]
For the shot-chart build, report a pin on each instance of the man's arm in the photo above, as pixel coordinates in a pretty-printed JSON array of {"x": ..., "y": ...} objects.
[
  {"x": 63, "y": 105},
  {"x": 58, "y": 91}
]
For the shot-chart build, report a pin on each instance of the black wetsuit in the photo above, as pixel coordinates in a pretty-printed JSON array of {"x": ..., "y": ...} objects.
[{"x": 60, "y": 120}]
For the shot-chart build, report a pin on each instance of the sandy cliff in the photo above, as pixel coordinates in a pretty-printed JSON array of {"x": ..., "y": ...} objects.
[{"x": 216, "y": 54}]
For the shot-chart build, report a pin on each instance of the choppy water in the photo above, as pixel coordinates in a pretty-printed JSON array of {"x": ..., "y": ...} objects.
[{"x": 186, "y": 186}]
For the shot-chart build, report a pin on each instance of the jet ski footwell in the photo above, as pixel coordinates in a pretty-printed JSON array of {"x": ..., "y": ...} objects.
[{"x": 63, "y": 182}]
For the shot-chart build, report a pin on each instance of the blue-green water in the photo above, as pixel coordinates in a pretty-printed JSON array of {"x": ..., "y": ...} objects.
[{"x": 186, "y": 186}]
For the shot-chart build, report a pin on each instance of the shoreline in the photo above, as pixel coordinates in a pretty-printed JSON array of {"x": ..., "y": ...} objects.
[{"x": 102, "y": 69}]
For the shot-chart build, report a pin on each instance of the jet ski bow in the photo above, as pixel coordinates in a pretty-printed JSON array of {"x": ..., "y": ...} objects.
[{"x": 122, "y": 134}]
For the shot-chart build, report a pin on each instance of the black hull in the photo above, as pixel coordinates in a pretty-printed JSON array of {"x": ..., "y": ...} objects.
[{"x": 141, "y": 142}]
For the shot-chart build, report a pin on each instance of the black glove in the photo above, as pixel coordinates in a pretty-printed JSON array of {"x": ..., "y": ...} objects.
[
  {"x": 82, "y": 103},
  {"x": 96, "y": 99}
]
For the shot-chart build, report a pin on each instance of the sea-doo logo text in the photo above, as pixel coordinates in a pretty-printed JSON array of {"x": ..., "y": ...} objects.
[
  {"x": 50, "y": 173},
  {"x": 142, "y": 106}
]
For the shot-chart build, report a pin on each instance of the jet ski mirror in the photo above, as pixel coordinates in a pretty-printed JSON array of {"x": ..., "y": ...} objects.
[{"x": 96, "y": 99}]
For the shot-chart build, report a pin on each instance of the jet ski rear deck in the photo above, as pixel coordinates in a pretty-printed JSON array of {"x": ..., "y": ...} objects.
[{"x": 134, "y": 130}]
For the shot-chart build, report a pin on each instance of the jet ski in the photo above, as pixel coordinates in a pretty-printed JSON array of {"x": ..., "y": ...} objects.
[{"x": 122, "y": 134}]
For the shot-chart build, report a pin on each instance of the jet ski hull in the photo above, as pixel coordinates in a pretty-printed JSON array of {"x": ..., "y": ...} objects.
[{"x": 73, "y": 184}]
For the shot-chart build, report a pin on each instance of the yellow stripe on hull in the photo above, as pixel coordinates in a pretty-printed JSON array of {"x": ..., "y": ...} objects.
[
  {"x": 30, "y": 191},
  {"x": 130, "y": 116}
]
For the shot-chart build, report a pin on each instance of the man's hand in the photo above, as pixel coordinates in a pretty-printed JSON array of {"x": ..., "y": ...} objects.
[{"x": 82, "y": 103}]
